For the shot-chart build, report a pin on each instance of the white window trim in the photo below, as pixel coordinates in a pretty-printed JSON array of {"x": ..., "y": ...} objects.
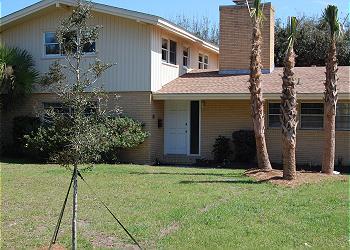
[
  {"x": 268, "y": 115},
  {"x": 167, "y": 50},
  {"x": 203, "y": 62},
  {"x": 188, "y": 57},
  {"x": 341, "y": 129},
  {"x": 315, "y": 115},
  {"x": 44, "y": 47},
  {"x": 59, "y": 56}
]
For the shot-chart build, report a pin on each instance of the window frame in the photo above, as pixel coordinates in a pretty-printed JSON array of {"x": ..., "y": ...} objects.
[
  {"x": 187, "y": 58},
  {"x": 301, "y": 115},
  {"x": 61, "y": 55},
  {"x": 268, "y": 114},
  {"x": 166, "y": 50},
  {"x": 45, "y": 44},
  {"x": 337, "y": 116},
  {"x": 202, "y": 64}
]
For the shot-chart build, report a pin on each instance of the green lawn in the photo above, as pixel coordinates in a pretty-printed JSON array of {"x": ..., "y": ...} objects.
[{"x": 172, "y": 208}]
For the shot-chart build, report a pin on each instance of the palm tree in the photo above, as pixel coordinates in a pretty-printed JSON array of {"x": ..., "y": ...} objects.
[
  {"x": 289, "y": 106},
  {"x": 256, "y": 96},
  {"x": 331, "y": 94},
  {"x": 17, "y": 74}
]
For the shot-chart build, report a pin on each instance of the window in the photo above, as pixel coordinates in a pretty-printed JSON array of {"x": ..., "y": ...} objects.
[
  {"x": 53, "y": 48},
  {"x": 169, "y": 51},
  {"x": 186, "y": 57},
  {"x": 165, "y": 50},
  {"x": 311, "y": 116},
  {"x": 173, "y": 52},
  {"x": 274, "y": 115},
  {"x": 342, "y": 120},
  {"x": 51, "y": 44},
  {"x": 203, "y": 61}
]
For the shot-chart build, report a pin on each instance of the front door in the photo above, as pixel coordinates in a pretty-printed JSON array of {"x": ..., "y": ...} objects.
[{"x": 176, "y": 114}]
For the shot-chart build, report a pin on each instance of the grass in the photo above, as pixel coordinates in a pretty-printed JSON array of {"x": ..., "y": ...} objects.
[{"x": 172, "y": 208}]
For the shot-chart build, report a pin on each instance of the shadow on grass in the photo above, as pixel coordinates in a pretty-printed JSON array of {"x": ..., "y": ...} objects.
[
  {"x": 221, "y": 181},
  {"x": 188, "y": 174}
]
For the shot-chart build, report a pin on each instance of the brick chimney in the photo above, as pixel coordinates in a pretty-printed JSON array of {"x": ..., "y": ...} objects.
[{"x": 236, "y": 35}]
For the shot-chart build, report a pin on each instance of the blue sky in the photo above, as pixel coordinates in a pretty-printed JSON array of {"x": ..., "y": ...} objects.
[{"x": 210, "y": 8}]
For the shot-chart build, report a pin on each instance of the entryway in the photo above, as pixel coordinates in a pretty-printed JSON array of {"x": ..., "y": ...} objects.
[{"x": 182, "y": 127}]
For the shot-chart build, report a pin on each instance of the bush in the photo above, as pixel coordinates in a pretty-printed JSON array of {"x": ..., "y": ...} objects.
[
  {"x": 120, "y": 133},
  {"x": 125, "y": 133},
  {"x": 221, "y": 149},
  {"x": 244, "y": 146}
]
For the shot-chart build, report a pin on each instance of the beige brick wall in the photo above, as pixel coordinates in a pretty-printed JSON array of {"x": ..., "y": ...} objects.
[
  {"x": 236, "y": 34},
  {"x": 137, "y": 105},
  {"x": 225, "y": 116}
]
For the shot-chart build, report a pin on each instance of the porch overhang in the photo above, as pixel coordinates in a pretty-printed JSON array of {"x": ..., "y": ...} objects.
[{"x": 239, "y": 96}]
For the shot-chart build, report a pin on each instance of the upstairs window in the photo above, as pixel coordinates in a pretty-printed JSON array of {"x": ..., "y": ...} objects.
[
  {"x": 203, "y": 61},
  {"x": 342, "y": 120},
  {"x": 186, "y": 57},
  {"x": 274, "y": 115},
  {"x": 311, "y": 116},
  {"x": 53, "y": 48},
  {"x": 165, "y": 50},
  {"x": 169, "y": 51}
]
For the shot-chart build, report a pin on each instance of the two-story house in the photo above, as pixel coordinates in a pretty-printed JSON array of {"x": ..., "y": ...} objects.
[{"x": 185, "y": 92}]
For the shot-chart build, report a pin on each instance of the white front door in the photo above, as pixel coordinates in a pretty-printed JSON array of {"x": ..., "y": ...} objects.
[{"x": 176, "y": 127}]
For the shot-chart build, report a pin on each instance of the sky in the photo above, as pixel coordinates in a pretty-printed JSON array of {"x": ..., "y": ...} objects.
[{"x": 199, "y": 8}]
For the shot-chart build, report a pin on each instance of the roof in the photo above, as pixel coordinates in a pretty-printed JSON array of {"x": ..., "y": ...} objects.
[
  {"x": 36, "y": 8},
  {"x": 206, "y": 84}
]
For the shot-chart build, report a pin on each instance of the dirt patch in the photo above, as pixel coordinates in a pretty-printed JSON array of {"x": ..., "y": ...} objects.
[
  {"x": 54, "y": 247},
  {"x": 173, "y": 227},
  {"x": 303, "y": 177}
]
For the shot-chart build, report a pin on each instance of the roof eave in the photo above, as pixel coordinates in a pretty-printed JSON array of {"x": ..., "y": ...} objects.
[{"x": 238, "y": 96}]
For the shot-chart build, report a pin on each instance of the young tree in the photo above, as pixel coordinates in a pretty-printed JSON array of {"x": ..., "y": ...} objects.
[
  {"x": 289, "y": 106},
  {"x": 331, "y": 94},
  {"x": 256, "y": 96},
  {"x": 84, "y": 107}
]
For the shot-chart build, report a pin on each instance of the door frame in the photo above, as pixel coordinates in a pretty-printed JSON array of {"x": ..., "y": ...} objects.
[{"x": 188, "y": 134}]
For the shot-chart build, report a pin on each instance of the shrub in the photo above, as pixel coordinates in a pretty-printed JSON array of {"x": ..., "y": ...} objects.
[
  {"x": 244, "y": 145},
  {"x": 125, "y": 133},
  {"x": 221, "y": 149},
  {"x": 120, "y": 133}
]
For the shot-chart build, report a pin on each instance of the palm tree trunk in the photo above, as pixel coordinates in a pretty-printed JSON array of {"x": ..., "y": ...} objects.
[
  {"x": 75, "y": 208},
  {"x": 331, "y": 99},
  {"x": 256, "y": 99},
  {"x": 289, "y": 116}
]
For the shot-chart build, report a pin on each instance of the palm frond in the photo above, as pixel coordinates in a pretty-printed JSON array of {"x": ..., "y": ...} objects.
[
  {"x": 330, "y": 16},
  {"x": 256, "y": 12},
  {"x": 292, "y": 30}
]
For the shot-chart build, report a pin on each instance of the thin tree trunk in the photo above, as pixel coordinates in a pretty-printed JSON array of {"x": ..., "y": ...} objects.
[
  {"x": 75, "y": 208},
  {"x": 331, "y": 99},
  {"x": 289, "y": 116},
  {"x": 256, "y": 99}
]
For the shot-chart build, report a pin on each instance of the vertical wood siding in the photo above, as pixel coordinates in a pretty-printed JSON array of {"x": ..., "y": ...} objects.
[
  {"x": 123, "y": 41},
  {"x": 164, "y": 73}
]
